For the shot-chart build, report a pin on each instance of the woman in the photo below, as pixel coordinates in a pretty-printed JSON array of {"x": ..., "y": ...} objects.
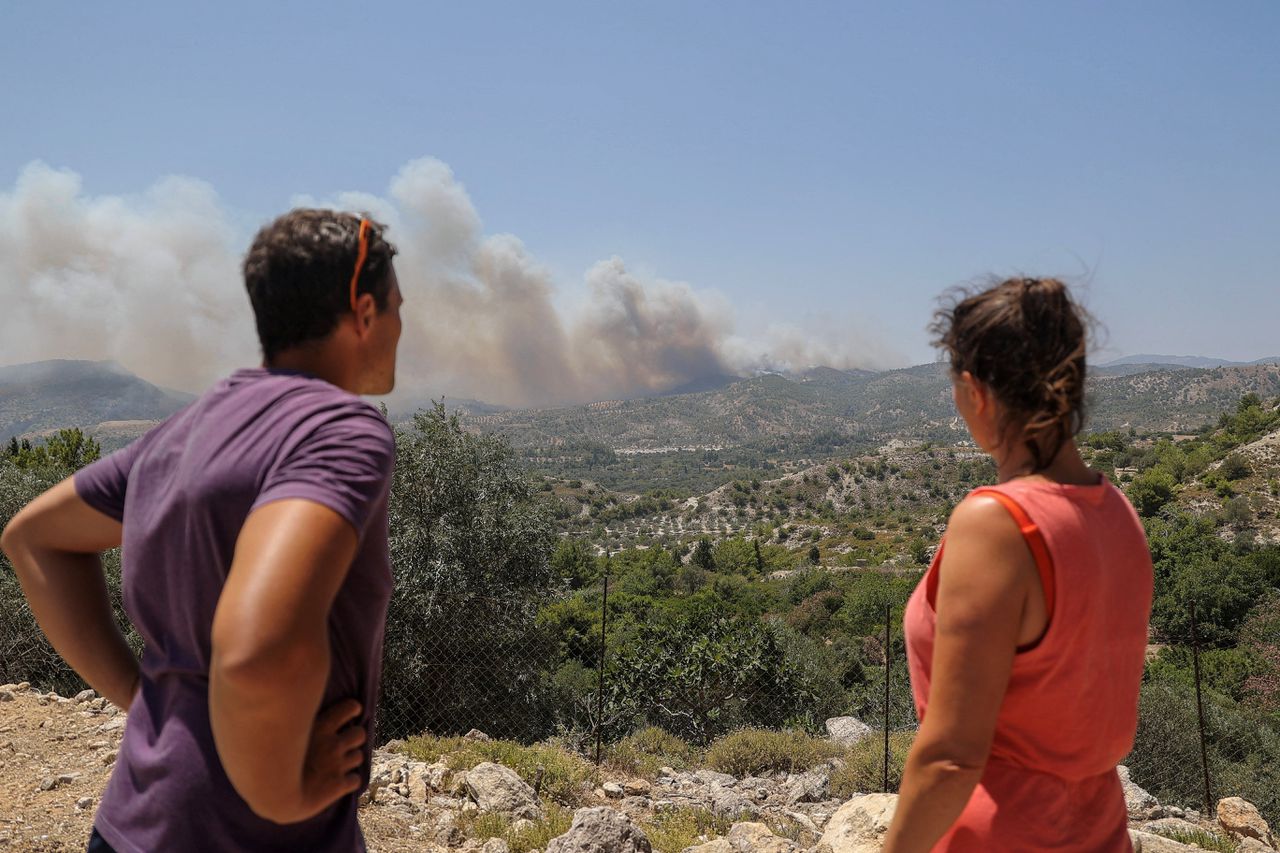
[{"x": 1025, "y": 638}]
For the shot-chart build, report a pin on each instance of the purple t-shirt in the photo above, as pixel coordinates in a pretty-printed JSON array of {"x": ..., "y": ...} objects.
[{"x": 183, "y": 492}]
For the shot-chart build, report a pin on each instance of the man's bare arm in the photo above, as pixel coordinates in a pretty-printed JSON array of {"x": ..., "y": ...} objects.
[
  {"x": 271, "y": 663},
  {"x": 55, "y": 544}
]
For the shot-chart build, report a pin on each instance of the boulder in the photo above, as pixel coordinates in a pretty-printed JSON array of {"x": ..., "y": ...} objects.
[
  {"x": 731, "y": 804},
  {"x": 601, "y": 830},
  {"x": 495, "y": 788},
  {"x": 1136, "y": 800},
  {"x": 847, "y": 730},
  {"x": 495, "y": 845},
  {"x": 812, "y": 786},
  {"x": 758, "y": 838},
  {"x": 860, "y": 824},
  {"x": 637, "y": 788},
  {"x": 718, "y": 845},
  {"x": 1241, "y": 817}
]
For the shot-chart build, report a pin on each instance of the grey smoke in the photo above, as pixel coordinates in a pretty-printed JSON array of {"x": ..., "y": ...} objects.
[{"x": 152, "y": 281}]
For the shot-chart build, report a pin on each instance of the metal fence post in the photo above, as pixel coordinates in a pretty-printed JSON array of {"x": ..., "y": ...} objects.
[
  {"x": 1204, "y": 753},
  {"x": 888, "y": 619},
  {"x": 604, "y": 622}
]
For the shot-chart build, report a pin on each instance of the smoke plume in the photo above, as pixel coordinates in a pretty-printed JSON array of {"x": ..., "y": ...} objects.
[{"x": 153, "y": 282}]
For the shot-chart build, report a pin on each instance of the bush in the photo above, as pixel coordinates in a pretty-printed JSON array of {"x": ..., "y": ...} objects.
[
  {"x": 649, "y": 750},
  {"x": 863, "y": 772},
  {"x": 673, "y": 830},
  {"x": 533, "y": 835},
  {"x": 471, "y": 541},
  {"x": 25, "y": 653},
  {"x": 750, "y": 752},
  {"x": 566, "y": 777},
  {"x": 699, "y": 674}
]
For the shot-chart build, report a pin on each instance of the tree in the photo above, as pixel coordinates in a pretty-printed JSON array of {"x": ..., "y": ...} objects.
[
  {"x": 67, "y": 449},
  {"x": 700, "y": 678},
  {"x": 1151, "y": 490},
  {"x": 703, "y": 557},
  {"x": 471, "y": 541}
]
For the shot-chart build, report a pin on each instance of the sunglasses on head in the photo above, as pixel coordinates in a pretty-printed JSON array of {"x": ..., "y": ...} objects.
[{"x": 361, "y": 254}]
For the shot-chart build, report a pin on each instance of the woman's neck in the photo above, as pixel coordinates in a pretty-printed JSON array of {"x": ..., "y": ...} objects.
[{"x": 1067, "y": 467}]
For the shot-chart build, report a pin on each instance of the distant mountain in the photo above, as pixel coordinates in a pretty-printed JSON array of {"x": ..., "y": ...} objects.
[
  {"x": 47, "y": 395},
  {"x": 912, "y": 403},
  {"x": 822, "y": 406},
  {"x": 1147, "y": 360}
]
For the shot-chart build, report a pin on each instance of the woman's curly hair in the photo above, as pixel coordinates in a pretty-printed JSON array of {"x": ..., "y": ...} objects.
[{"x": 1025, "y": 339}]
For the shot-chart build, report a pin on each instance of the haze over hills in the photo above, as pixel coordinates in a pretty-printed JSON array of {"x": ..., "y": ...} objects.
[
  {"x": 47, "y": 395},
  {"x": 1145, "y": 359},
  {"x": 848, "y": 406}
]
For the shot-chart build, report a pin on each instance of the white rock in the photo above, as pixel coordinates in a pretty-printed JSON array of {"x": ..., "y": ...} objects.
[
  {"x": 847, "y": 730},
  {"x": 1145, "y": 842},
  {"x": 601, "y": 830},
  {"x": 758, "y": 838},
  {"x": 495, "y": 788},
  {"x": 1136, "y": 799},
  {"x": 860, "y": 824},
  {"x": 612, "y": 790},
  {"x": 85, "y": 696}
]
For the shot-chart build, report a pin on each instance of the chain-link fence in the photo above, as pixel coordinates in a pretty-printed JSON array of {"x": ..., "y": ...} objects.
[{"x": 503, "y": 670}]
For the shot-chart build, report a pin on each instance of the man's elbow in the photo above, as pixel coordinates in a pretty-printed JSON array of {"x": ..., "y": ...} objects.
[{"x": 11, "y": 536}]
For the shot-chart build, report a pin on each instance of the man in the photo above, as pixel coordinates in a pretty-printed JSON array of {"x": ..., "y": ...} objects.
[{"x": 255, "y": 567}]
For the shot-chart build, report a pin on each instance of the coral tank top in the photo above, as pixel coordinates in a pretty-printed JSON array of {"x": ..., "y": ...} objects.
[{"x": 1070, "y": 709}]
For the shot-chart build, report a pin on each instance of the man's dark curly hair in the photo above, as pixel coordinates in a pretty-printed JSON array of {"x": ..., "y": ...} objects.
[{"x": 298, "y": 274}]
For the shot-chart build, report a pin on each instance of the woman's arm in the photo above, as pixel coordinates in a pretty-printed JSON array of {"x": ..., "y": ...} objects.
[{"x": 987, "y": 574}]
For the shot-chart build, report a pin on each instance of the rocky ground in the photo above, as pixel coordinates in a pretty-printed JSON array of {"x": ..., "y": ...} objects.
[{"x": 57, "y": 752}]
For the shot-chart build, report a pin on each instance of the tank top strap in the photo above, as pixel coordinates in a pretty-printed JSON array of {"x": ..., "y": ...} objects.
[{"x": 1035, "y": 541}]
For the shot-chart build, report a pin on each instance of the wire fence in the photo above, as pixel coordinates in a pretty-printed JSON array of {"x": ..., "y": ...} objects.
[{"x": 497, "y": 667}]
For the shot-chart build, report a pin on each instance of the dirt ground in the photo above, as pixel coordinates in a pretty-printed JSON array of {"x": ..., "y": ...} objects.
[{"x": 56, "y": 755}]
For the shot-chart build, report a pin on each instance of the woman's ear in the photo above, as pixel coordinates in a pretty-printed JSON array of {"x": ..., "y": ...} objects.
[{"x": 977, "y": 394}]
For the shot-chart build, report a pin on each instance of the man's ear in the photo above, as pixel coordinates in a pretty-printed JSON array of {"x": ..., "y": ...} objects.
[{"x": 366, "y": 310}]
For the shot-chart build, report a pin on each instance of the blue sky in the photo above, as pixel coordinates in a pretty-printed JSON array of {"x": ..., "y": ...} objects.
[{"x": 831, "y": 165}]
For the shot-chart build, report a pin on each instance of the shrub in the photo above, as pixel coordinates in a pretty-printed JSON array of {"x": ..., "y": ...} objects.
[
  {"x": 471, "y": 542},
  {"x": 750, "y": 752},
  {"x": 535, "y": 836},
  {"x": 649, "y": 750},
  {"x": 673, "y": 830},
  {"x": 863, "y": 772},
  {"x": 565, "y": 777},
  {"x": 1198, "y": 838}
]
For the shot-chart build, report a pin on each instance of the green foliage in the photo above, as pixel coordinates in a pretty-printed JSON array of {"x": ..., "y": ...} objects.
[
  {"x": 25, "y": 653},
  {"x": 1197, "y": 838},
  {"x": 863, "y": 771},
  {"x": 1151, "y": 490},
  {"x": 753, "y": 752},
  {"x": 673, "y": 830},
  {"x": 1243, "y": 747},
  {"x": 647, "y": 751},
  {"x": 703, "y": 557},
  {"x": 736, "y": 556},
  {"x": 1193, "y": 564},
  {"x": 470, "y": 546},
  {"x": 1235, "y": 467},
  {"x": 562, "y": 776},
  {"x": 700, "y": 677},
  {"x": 66, "y": 450},
  {"x": 533, "y": 835}
]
